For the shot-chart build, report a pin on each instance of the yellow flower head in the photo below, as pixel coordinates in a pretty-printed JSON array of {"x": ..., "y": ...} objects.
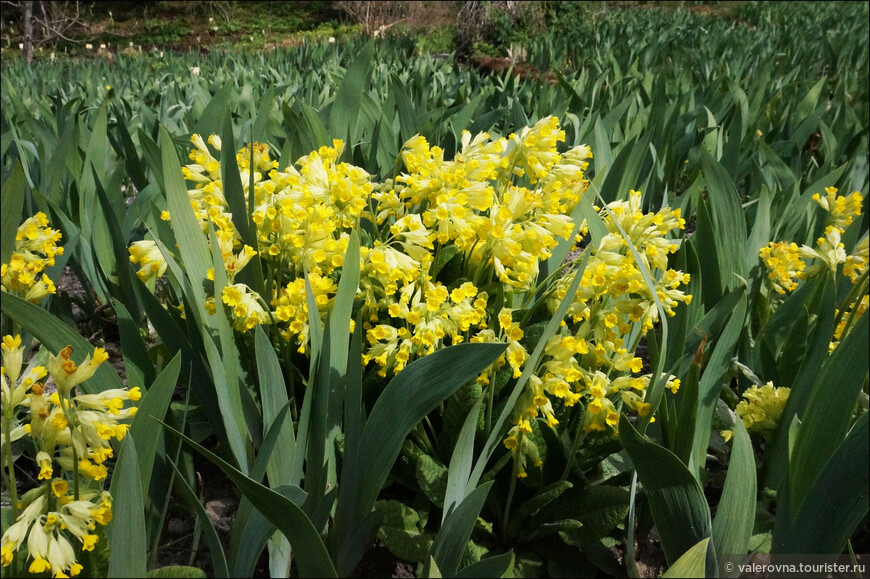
[{"x": 762, "y": 407}]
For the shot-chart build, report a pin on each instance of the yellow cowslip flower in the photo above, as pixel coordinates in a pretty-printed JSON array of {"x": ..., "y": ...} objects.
[
  {"x": 149, "y": 257},
  {"x": 262, "y": 161},
  {"x": 35, "y": 249},
  {"x": 46, "y": 533},
  {"x": 856, "y": 264},
  {"x": 829, "y": 252},
  {"x": 533, "y": 150},
  {"x": 855, "y": 311},
  {"x": 246, "y": 308},
  {"x": 762, "y": 407},
  {"x": 784, "y": 263},
  {"x": 842, "y": 209},
  {"x": 291, "y": 306},
  {"x": 65, "y": 426},
  {"x": 68, "y": 374},
  {"x": 600, "y": 414}
]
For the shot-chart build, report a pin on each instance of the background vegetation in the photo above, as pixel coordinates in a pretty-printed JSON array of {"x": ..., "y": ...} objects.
[{"x": 735, "y": 113}]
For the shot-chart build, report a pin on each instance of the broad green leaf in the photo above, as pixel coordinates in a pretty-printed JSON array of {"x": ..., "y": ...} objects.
[
  {"x": 541, "y": 499},
  {"x": 597, "y": 509},
  {"x": 443, "y": 255},
  {"x": 127, "y": 529},
  {"x": 432, "y": 479},
  {"x": 402, "y": 532}
]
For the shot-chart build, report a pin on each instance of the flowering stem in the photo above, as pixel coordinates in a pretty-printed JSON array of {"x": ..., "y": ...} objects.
[
  {"x": 65, "y": 404},
  {"x": 75, "y": 472},
  {"x": 858, "y": 289},
  {"x": 9, "y": 478},
  {"x": 578, "y": 438},
  {"x": 512, "y": 488},
  {"x": 489, "y": 404}
]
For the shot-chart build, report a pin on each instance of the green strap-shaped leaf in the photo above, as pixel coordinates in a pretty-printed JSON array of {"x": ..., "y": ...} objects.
[
  {"x": 552, "y": 326},
  {"x": 711, "y": 381},
  {"x": 344, "y": 113},
  {"x": 312, "y": 558},
  {"x": 451, "y": 541},
  {"x": 835, "y": 504},
  {"x": 251, "y": 530},
  {"x": 692, "y": 563},
  {"x": 225, "y": 368},
  {"x": 55, "y": 335},
  {"x": 461, "y": 461},
  {"x": 232, "y": 184},
  {"x": 831, "y": 403},
  {"x": 273, "y": 396},
  {"x": 729, "y": 217},
  {"x": 417, "y": 389},
  {"x": 735, "y": 516},
  {"x": 210, "y": 121},
  {"x": 495, "y": 566},
  {"x": 12, "y": 204},
  {"x": 676, "y": 500},
  {"x": 140, "y": 369},
  {"x": 127, "y": 529},
  {"x": 218, "y": 557},
  {"x": 144, "y": 429},
  {"x": 687, "y": 414}
]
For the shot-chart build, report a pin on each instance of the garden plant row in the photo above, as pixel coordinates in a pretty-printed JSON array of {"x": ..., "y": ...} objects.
[{"x": 503, "y": 325}]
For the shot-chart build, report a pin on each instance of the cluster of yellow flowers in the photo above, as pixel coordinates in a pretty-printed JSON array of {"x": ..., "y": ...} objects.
[
  {"x": 35, "y": 249},
  {"x": 496, "y": 209},
  {"x": 72, "y": 431},
  {"x": 611, "y": 297},
  {"x": 785, "y": 260},
  {"x": 786, "y": 265},
  {"x": 760, "y": 410}
]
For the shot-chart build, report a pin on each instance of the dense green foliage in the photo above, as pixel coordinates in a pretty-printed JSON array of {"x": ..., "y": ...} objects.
[{"x": 738, "y": 121}]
